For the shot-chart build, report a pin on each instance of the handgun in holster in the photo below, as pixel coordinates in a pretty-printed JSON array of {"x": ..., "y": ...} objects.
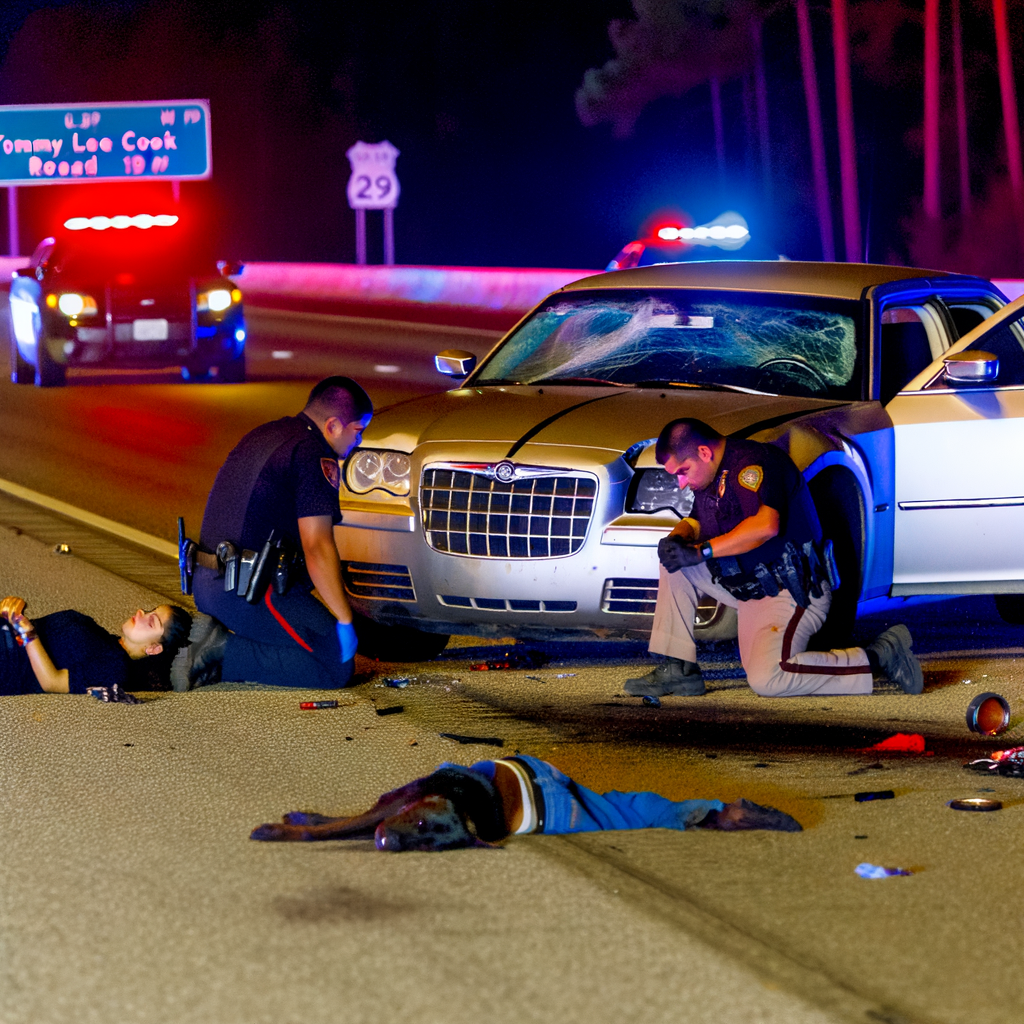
[
  {"x": 186, "y": 558},
  {"x": 284, "y": 564}
]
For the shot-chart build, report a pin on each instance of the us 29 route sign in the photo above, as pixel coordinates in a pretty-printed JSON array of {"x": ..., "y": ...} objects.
[{"x": 60, "y": 144}]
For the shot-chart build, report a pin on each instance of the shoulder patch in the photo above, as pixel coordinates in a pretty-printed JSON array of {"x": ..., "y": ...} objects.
[
  {"x": 332, "y": 471},
  {"x": 751, "y": 477}
]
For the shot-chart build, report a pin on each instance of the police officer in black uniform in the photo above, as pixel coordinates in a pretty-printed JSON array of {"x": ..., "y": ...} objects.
[
  {"x": 268, "y": 539},
  {"x": 752, "y": 541}
]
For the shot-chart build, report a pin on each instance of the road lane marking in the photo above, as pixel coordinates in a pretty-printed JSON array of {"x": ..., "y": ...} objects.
[{"x": 80, "y": 515}]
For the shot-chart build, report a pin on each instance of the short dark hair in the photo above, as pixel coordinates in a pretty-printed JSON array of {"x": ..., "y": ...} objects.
[
  {"x": 683, "y": 437},
  {"x": 341, "y": 397}
]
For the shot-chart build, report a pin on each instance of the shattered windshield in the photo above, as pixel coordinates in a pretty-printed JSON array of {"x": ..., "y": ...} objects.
[{"x": 779, "y": 344}]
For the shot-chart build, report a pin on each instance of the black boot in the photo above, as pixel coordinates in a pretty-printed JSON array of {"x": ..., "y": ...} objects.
[{"x": 672, "y": 678}]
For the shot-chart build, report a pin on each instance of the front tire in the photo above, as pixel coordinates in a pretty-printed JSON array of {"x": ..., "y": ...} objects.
[
  {"x": 396, "y": 643},
  {"x": 841, "y": 512},
  {"x": 21, "y": 369},
  {"x": 49, "y": 373},
  {"x": 233, "y": 371}
]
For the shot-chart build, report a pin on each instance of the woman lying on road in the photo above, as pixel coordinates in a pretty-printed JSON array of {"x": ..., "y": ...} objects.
[
  {"x": 68, "y": 652},
  {"x": 492, "y": 800}
]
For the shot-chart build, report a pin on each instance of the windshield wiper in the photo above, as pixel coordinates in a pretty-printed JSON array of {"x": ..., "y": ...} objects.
[
  {"x": 578, "y": 380},
  {"x": 702, "y": 386}
]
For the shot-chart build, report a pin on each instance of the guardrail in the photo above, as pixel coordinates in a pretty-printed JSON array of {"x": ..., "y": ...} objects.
[{"x": 491, "y": 298}]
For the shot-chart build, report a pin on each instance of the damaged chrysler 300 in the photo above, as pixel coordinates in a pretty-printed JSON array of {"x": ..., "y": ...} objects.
[{"x": 528, "y": 503}]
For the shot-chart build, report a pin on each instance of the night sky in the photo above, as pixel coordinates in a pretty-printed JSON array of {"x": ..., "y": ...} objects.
[{"x": 496, "y": 167}]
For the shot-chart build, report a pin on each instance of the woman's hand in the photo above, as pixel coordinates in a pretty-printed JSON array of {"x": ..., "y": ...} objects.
[{"x": 11, "y": 606}]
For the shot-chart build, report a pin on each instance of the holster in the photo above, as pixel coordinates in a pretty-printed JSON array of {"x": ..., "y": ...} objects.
[
  {"x": 186, "y": 558},
  {"x": 802, "y": 571}
]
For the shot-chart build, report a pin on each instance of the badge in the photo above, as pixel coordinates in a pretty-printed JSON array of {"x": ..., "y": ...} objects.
[
  {"x": 751, "y": 477},
  {"x": 721, "y": 482},
  {"x": 332, "y": 471}
]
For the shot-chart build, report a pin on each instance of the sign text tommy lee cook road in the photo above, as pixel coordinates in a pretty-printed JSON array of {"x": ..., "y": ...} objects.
[{"x": 50, "y": 144}]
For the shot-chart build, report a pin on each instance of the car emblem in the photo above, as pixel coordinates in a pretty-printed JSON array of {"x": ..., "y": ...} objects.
[
  {"x": 505, "y": 472},
  {"x": 147, "y": 302}
]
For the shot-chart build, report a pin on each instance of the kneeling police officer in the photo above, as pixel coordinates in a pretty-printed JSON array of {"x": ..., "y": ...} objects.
[
  {"x": 753, "y": 542},
  {"x": 268, "y": 540}
]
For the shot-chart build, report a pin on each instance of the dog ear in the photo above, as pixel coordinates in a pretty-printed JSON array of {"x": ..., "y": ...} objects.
[{"x": 432, "y": 823}]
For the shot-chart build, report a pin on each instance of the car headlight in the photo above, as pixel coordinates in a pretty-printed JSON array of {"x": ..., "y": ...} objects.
[
  {"x": 216, "y": 300},
  {"x": 654, "y": 490},
  {"x": 73, "y": 304},
  {"x": 369, "y": 469}
]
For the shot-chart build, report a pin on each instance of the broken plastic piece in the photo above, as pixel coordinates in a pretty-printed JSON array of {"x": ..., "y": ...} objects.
[
  {"x": 975, "y": 803},
  {"x": 62, "y": 549},
  {"x": 513, "y": 659},
  {"x": 988, "y": 714},
  {"x": 396, "y": 709},
  {"x": 316, "y": 705},
  {"x": 489, "y": 741},
  {"x": 866, "y": 870},
  {"x": 878, "y": 794},
  {"x": 652, "y": 702},
  {"x": 398, "y": 682},
  {"x": 902, "y": 742}
]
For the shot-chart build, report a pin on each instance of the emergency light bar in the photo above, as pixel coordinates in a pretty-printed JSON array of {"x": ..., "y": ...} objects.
[{"x": 142, "y": 220}]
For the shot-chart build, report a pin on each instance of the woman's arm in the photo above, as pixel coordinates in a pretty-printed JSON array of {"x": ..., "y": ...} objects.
[{"x": 49, "y": 677}]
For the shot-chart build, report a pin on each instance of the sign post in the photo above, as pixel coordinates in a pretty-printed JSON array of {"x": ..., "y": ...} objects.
[
  {"x": 373, "y": 185},
  {"x": 73, "y": 143}
]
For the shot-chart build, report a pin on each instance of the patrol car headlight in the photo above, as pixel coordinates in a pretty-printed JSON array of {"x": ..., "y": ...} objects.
[
  {"x": 655, "y": 490},
  {"x": 216, "y": 300},
  {"x": 74, "y": 304},
  {"x": 369, "y": 469}
]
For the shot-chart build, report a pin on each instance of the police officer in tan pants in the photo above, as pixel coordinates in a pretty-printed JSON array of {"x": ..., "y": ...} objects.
[{"x": 752, "y": 541}]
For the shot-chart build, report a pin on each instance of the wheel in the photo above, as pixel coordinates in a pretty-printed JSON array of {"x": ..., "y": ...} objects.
[
  {"x": 21, "y": 369},
  {"x": 397, "y": 643},
  {"x": 841, "y": 512},
  {"x": 49, "y": 373},
  {"x": 233, "y": 371},
  {"x": 196, "y": 373},
  {"x": 1010, "y": 608}
]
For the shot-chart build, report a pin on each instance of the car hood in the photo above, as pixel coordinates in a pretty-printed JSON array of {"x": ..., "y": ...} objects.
[{"x": 592, "y": 417}]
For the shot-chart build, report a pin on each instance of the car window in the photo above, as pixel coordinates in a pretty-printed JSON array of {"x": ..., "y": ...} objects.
[
  {"x": 967, "y": 317},
  {"x": 777, "y": 344},
  {"x": 911, "y": 338}
]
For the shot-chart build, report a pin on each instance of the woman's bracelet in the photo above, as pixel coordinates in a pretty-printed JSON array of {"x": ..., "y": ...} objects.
[{"x": 24, "y": 639}]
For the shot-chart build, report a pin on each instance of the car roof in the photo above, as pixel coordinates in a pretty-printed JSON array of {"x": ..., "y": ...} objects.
[{"x": 831, "y": 280}]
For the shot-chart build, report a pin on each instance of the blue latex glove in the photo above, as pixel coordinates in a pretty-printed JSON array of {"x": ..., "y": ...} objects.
[{"x": 347, "y": 640}]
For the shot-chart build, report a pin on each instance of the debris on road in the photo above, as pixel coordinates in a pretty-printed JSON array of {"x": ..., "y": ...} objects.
[
  {"x": 114, "y": 694},
  {"x": 900, "y": 743},
  {"x": 876, "y": 767},
  {"x": 316, "y": 705},
  {"x": 988, "y": 714},
  {"x": 398, "y": 682},
  {"x": 866, "y": 870},
  {"x": 62, "y": 549},
  {"x": 975, "y": 803},
  {"x": 395, "y": 709},
  {"x": 878, "y": 794},
  {"x": 537, "y": 679},
  {"x": 513, "y": 659},
  {"x": 488, "y": 741},
  {"x": 1009, "y": 762},
  {"x": 651, "y": 701}
]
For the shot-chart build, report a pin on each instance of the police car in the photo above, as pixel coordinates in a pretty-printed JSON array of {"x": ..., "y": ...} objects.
[
  {"x": 527, "y": 502},
  {"x": 125, "y": 291}
]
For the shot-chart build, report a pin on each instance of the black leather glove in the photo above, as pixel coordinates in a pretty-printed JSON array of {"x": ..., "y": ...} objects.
[{"x": 675, "y": 554}]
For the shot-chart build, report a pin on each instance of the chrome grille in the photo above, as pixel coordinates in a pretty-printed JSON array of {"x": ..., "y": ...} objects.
[
  {"x": 378, "y": 582},
  {"x": 629, "y": 596},
  {"x": 469, "y": 512},
  {"x": 501, "y": 604}
]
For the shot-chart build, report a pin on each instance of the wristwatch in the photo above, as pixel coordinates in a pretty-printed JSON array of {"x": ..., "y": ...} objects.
[{"x": 705, "y": 550}]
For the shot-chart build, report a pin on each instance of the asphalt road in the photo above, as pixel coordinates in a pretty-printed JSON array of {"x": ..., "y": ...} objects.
[{"x": 143, "y": 448}]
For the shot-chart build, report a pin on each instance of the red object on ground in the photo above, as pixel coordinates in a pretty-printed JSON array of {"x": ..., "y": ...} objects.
[{"x": 902, "y": 743}]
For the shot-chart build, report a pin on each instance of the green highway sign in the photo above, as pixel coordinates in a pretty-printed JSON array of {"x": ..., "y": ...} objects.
[{"x": 52, "y": 144}]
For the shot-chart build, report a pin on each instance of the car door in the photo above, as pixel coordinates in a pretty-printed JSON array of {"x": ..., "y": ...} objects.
[{"x": 959, "y": 472}]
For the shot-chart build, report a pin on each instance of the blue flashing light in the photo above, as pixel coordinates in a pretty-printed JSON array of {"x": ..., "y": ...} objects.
[{"x": 240, "y": 334}]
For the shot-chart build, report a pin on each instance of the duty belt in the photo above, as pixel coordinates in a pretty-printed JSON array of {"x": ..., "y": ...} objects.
[
  {"x": 247, "y": 573},
  {"x": 801, "y": 570}
]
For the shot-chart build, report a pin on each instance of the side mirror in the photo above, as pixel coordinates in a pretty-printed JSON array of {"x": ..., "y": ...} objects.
[
  {"x": 971, "y": 367},
  {"x": 230, "y": 268},
  {"x": 454, "y": 362}
]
